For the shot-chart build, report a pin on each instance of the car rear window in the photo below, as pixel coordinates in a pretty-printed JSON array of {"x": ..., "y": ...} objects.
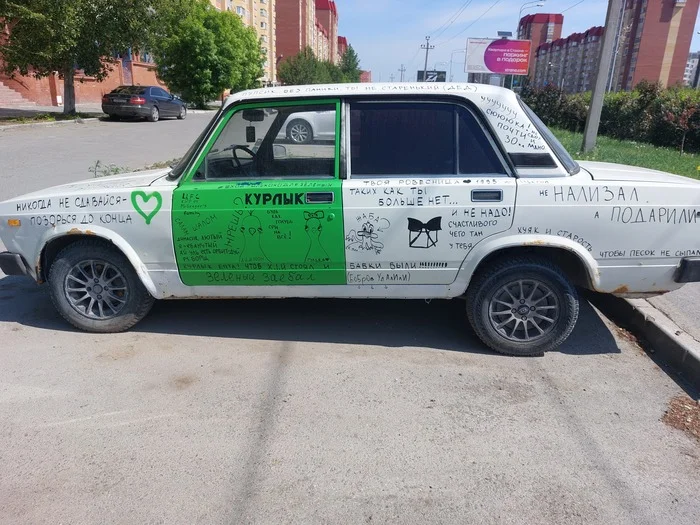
[{"x": 130, "y": 90}]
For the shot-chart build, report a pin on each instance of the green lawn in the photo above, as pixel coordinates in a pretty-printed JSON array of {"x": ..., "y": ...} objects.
[{"x": 633, "y": 153}]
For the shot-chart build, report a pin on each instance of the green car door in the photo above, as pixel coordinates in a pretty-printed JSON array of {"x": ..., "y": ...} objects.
[{"x": 259, "y": 206}]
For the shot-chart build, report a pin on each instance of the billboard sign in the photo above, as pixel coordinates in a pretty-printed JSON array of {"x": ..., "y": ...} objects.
[
  {"x": 500, "y": 56},
  {"x": 432, "y": 76}
]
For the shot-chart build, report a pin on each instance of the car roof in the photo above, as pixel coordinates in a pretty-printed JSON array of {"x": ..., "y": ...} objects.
[{"x": 386, "y": 88}]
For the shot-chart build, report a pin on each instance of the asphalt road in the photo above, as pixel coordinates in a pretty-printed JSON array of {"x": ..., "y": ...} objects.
[
  {"x": 314, "y": 411},
  {"x": 36, "y": 157},
  {"x": 329, "y": 412}
]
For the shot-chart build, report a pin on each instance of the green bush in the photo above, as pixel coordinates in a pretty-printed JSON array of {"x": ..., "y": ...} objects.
[{"x": 663, "y": 117}]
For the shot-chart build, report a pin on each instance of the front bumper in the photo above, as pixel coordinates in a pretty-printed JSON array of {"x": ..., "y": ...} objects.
[
  {"x": 688, "y": 271},
  {"x": 12, "y": 264}
]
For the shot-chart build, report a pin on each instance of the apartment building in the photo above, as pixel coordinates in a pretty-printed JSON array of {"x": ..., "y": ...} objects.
[
  {"x": 540, "y": 28},
  {"x": 312, "y": 23},
  {"x": 569, "y": 63},
  {"x": 261, "y": 15},
  {"x": 690, "y": 75}
]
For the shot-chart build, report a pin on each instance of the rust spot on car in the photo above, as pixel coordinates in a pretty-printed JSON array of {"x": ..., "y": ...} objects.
[
  {"x": 621, "y": 289},
  {"x": 74, "y": 231},
  {"x": 538, "y": 242},
  {"x": 89, "y": 232}
]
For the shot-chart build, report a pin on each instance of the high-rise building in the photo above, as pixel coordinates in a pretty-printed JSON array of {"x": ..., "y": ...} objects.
[
  {"x": 342, "y": 46},
  {"x": 540, "y": 28},
  {"x": 691, "y": 73},
  {"x": 308, "y": 23},
  {"x": 653, "y": 42},
  {"x": 259, "y": 14},
  {"x": 569, "y": 63}
]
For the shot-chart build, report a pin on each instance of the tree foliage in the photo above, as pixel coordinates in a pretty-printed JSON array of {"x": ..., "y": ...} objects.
[
  {"x": 48, "y": 36},
  {"x": 200, "y": 51},
  {"x": 305, "y": 68}
]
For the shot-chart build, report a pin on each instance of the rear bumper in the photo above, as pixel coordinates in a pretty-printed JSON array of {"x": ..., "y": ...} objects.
[
  {"x": 688, "y": 271},
  {"x": 126, "y": 110},
  {"x": 12, "y": 264}
]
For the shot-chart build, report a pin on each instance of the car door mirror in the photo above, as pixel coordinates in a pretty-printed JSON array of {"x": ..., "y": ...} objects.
[{"x": 279, "y": 151}]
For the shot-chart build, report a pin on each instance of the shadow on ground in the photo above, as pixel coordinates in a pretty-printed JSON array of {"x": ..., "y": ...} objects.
[
  {"x": 31, "y": 113},
  {"x": 439, "y": 324}
]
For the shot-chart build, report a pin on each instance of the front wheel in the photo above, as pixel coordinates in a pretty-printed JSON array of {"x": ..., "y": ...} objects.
[
  {"x": 300, "y": 132},
  {"x": 95, "y": 288},
  {"x": 523, "y": 307},
  {"x": 183, "y": 113}
]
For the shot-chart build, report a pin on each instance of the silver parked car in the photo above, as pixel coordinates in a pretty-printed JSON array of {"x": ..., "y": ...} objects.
[{"x": 307, "y": 126}]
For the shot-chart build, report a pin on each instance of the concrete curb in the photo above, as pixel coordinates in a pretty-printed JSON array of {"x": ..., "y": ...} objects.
[
  {"x": 49, "y": 123},
  {"x": 668, "y": 341}
]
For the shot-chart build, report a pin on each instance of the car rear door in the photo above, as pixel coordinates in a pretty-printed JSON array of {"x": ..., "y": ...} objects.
[{"x": 426, "y": 184}]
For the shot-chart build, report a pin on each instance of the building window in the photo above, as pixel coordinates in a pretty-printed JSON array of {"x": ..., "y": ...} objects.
[
  {"x": 263, "y": 12},
  {"x": 240, "y": 11},
  {"x": 263, "y": 39},
  {"x": 263, "y": 25}
]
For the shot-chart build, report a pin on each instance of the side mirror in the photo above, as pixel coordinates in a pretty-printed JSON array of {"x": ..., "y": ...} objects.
[{"x": 279, "y": 151}]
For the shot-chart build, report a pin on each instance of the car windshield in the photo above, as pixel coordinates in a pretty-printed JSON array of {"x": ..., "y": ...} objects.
[
  {"x": 130, "y": 90},
  {"x": 179, "y": 168},
  {"x": 560, "y": 151}
]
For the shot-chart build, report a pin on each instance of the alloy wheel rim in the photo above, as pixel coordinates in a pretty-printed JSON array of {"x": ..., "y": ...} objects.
[
  {"x": 299, "y": 133},
  {"x": 154, "y": 113},
  {"x": 96, "y": 289},
  {"x": 524, "y": 310}
]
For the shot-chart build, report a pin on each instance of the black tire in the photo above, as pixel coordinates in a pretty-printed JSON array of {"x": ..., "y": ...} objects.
[
  {"x": 183, "y": 113},
  {"x": 155, "y": 115},
  {"x": 137, "y": 301},
  {"x": 536, "y": 275},
  {"x": 299, "y": 132}
]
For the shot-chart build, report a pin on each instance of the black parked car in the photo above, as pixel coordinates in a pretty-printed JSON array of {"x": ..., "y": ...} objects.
[{"x": 150, "y": 102}]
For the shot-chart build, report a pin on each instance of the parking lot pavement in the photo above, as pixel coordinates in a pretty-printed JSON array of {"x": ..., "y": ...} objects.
[
  {"x": 301, "y": 411},
  {"x": 34, "y": 158}
]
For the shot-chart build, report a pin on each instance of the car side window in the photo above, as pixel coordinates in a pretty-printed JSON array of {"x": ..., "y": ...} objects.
[
  {"x": 418, "y": 138},
  {"x": 476, "y": 152},
  {"x": 402, "y": 138},
  {"x": 274, "y": 142}
]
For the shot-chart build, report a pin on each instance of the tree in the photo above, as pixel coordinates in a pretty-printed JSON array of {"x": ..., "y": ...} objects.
[
  {"x": 47, "y": 36},
  {"x": 350, "y": 65},
  {"x": 200, "y": 51},
  {"x": 300, "y": 69}
]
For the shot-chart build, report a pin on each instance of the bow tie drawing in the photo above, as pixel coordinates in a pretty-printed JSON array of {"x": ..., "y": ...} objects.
[
  {"x": 423, "y": 234},
  {"x": 314, "y": 215}
]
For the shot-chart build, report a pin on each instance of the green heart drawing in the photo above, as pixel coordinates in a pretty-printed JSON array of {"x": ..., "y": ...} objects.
[{"x": 148, "y": 216}]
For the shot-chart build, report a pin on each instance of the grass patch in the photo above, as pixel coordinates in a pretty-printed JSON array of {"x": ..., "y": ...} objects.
[{"x": 632, "y": 153}]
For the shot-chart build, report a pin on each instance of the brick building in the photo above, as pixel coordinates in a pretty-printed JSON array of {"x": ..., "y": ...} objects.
[
  {"x": 261, "y": 15},
  {"x": 312, "y": 23},
  {"x": 540, "y": 28},
  {"x": 652, "y": 43},
  {"x": 569, "y": 63}
]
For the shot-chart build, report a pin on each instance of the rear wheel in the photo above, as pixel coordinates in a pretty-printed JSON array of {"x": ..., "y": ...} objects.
[
  {"x": 525, "y": 306},
  {"x": 95, "y": 288},
  {"x": 155, "y": 115}
]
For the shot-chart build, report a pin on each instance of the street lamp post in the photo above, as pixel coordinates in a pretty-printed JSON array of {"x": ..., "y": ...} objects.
[
  {"x": 452, "y": 60},
  {"x": 528, "y": 5},
  {"x": 436, "y": 65}
]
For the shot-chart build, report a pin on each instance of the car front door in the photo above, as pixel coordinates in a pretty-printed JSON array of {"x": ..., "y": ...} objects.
[
  {"x": 167, "y": 105},
  {"x": 254, "y": 210},
  {"x": 426, "y": 184}
]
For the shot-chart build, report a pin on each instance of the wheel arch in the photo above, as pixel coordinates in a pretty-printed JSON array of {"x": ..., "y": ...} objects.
[
  {"x": 574, "y": 260},
  {"x": 57, "y": 242}
]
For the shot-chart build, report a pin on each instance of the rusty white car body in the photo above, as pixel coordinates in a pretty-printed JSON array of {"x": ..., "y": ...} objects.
[{"x": 423, "y": 191}]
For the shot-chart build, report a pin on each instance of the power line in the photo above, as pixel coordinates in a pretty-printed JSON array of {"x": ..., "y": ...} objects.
[
  {"x": 571, "y": 7},
  {"x": 473, "y": 22},
  {"x": 445, "y": 26}
]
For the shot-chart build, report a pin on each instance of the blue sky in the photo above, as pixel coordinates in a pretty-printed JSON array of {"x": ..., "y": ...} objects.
[{"x": 388, "y": 33}]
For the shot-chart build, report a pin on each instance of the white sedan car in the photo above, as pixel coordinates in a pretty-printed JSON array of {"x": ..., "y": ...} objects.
[{"x": 418, "y": 191}]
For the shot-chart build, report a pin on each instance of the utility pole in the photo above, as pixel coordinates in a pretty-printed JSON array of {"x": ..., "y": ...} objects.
[
  {"x": 427, "y": 48},
  {"x": 402, "y": 70},
  {"x": 607, "y": 48}
]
